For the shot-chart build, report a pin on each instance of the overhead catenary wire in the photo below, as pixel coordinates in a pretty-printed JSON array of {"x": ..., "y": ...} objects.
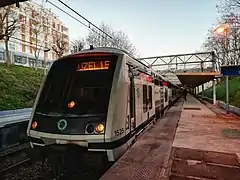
[
  {"x": 84, "y": 24},
  {"x": 89, "y": 22}
]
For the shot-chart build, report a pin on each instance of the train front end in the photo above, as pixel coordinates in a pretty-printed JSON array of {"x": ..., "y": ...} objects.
[{"x": 71, "y": 107}]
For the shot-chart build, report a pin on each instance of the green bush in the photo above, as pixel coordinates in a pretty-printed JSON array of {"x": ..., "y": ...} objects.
[
  {"x": 18, "y": 86},
  {"x": 234, "y": 91}
]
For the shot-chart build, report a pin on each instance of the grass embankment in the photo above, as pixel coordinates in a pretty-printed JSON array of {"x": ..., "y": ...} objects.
[
  {"x": 18, "y": 86},
  {"x": 234, "y": 91}
]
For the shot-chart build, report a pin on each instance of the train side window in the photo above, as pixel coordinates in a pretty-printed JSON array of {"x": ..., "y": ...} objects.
[
  {"x": 144, "y": 98},
  {"x": 131, "y": 102},
  {"x": 150, "y": 97}
]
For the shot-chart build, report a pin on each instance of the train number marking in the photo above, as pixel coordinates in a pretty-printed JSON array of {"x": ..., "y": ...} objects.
[{"x": 119, "y": 132}]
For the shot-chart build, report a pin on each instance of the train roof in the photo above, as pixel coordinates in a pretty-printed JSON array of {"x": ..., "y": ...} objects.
[{"x": 123, "y": 52}]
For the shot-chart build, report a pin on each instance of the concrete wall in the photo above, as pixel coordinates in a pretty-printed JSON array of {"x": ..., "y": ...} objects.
[{"x": 15, "y": 111}]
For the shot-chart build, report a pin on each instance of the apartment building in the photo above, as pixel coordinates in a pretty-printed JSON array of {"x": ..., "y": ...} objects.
[{"x": 39, "y": 29}]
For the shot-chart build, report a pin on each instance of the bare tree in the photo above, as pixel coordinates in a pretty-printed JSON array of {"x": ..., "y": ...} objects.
[
  {"x": 8, "y": 27},
  {"x": 119, "y": 39},
  {"x": 77, "y": 45},
  {"x": 98, "y": 39},
  {"x": 226, "y": 47},
  {"x": 228, "y": 6},
  {"x": 61, "y": 46},
  {"x": 124, "y": 42},
  {"x": 37, "y": 27}
]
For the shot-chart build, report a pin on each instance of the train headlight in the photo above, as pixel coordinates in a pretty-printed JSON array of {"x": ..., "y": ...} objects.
[
  {"x": 71, "y": 104},
  {"x": 99, "y": 128},
  {"x": 90, "y": 128},
  {"x": 34, "y": 124}
]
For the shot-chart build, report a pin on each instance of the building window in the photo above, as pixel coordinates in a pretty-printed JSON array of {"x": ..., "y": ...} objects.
[
  {"x": 144, "y": 98},
  {"x": 23, "y": 28},
  {"x": 58, "y": 27},
  {"x": 44, "y": 20},
  {"x": 54, "y": 33},
  {"x": 45, "y": 37},
  {"x": 31, "y": 62},
  {"x": 22, "y": 19},
  {"x": 40, "y": 63},
  {"x": 45, "y": 29},
  {"x": 34, "y": 14},
  {"x": 30, "y": 31},
  {"x": 23, "y": 37},
  {"x": 30, "y": 22},
  {"x": 53, "y": 24},
  {"x": 23, "y": 48},
  {"x": 20, "y": 59},
  {"x": 30, "y": 49},
  {"x": 54, "y": 40},
  {"x": 12, "y": 46},
  {"x": 150, "y": 97}
]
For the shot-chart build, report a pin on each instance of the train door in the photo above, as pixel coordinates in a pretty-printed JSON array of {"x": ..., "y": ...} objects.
[
  {"x": 132, "y": 105},
  {"x": 166, "y": 96},
  {"x": 161, "y": 98},
  {"x": 145, "y": 103},
  {"x": 131, "y": 119}
]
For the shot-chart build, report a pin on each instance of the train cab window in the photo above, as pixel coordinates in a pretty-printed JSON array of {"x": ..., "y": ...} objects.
[
  {"x": 88, "y": 89},
  {"x": 150, "y": 97},
  {"x": 144, "y": 98}
]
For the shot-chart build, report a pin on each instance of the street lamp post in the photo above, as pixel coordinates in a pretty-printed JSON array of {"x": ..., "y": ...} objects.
[{"x": 220, "y": 30}]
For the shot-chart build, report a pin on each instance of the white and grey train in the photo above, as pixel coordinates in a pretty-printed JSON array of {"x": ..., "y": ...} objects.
[{"x": 98, "y": 99}]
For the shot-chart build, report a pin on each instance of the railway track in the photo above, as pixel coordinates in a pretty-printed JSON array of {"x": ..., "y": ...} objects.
[
  {"x": 13, "y": 156},
  {"x": 13, "y": 148}
]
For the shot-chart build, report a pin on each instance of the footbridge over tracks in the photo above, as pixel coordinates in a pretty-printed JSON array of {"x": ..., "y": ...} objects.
[{"x": 191, "y": 70}]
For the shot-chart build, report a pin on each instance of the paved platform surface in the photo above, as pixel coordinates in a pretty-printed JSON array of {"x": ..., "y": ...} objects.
[
  {"x": 190, "y": 132},
  {"x": 148, "y": 158},
  {"x": 202, "y": 129}
]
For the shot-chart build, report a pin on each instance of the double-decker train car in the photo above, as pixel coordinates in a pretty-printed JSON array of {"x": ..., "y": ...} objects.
[{"x": 98, "y": 100}]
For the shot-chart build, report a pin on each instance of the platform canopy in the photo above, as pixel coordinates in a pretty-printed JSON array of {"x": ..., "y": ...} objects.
[
  {"x": 194, "y": 79},
  {"x": 9, "y": 2}
]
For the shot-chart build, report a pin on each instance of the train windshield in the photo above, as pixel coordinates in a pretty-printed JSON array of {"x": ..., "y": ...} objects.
[{"x": 78, "y": 87}]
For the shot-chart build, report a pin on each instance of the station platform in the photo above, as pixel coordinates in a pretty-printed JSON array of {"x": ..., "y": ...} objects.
[{"x": 189, "y": 142}]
